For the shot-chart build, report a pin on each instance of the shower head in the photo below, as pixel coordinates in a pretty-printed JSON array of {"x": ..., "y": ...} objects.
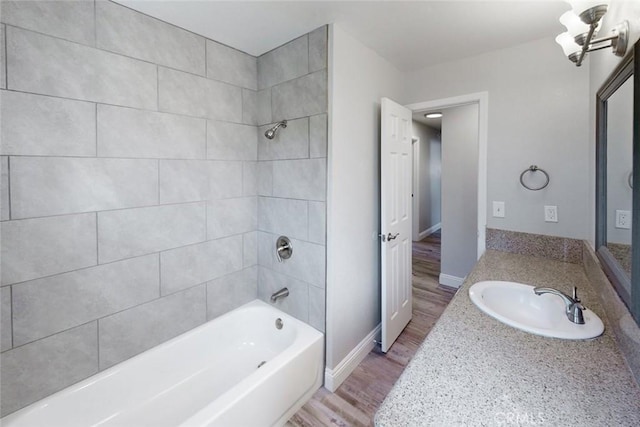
[{"x": 271, "y": 133}]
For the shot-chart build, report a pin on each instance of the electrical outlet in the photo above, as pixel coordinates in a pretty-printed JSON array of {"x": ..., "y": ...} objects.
[
  {"x": 498, "y": 209},
  {"x": 623, "y": 219},
  {"x": 551, "y": 214}
]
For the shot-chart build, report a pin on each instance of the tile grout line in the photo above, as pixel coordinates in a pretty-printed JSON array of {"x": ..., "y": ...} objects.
[
  {"x": 97, "y": 242},
  {"x": 9, "y": 186},
  {"x": 6, "y": 59}
]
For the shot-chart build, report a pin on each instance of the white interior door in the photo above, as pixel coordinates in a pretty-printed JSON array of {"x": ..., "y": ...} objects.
[{"x": 395, "y": 206}]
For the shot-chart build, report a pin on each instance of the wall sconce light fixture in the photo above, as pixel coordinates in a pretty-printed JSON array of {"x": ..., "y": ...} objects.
[{"x": 583, "y": 23}]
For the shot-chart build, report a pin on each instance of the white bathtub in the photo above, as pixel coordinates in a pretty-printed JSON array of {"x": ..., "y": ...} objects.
[{"x": 208, "y": 376}]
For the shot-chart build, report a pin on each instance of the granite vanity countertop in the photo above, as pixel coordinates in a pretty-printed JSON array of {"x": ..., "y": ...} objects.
[{"x": 473, "y": 370}]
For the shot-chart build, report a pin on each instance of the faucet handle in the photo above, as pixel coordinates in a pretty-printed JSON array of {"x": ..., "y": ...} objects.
[{"x": 575, "y": 294}]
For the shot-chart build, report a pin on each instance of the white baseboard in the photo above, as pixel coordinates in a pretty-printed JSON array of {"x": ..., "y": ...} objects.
[
  {"x": 451, "y": 281},
  {"x": 429, "y": 231},
  {"x": 334, "y": 377}
]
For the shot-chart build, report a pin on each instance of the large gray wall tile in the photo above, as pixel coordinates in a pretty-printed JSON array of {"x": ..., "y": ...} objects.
[
  {"x": 45, "y": 126},
  {"x": 263, "y": 101},
  {"x": 191, "y": 265},
  {"x": 36, "y": 370},
  {"x": 317, "y": 308},
  {"x": 49, "y": 66},
  {"x": 318, "y": 49},
  {"x": 41, "y": 247},
  {"x": 193, "y": 180},
  {"x": 131, "y": 232},
  {"x": 307, "y": 262},
  {"x": 185, "y": 93},
  {"x": 318, "y": 136},
  {"x": 291, "y": 142},
  {"x": 232, "y": 291},
  {"x": 304, "y": 96},
  {"x": 284, "y": 63},
  {"x": 126, "y": 31},
  {"x": 249, "y": 107},
  {"x": 283, "y": 216},
  {"x": 317, "y": 222},
  {"x": 231, "y": 216},
  {"x": 300, "y": 179},
  {"x": 4, "y": 188},
  {"x": 296, "y": 304},
  {"x": 70, "y": 20},
  {"x": 231, "y": 141},
  {"x": 249, "y": 249},
  {"x": 128, "y": 132},
  {"x": 265, "y": 178},
  {"x": 3, "y": 59},
  {"x": 133, "y": 331},
  {"x": 47, "y": 306},
  {"x": 231, "y": 66},
  {"x": 56, "y": 185},
  {"x": 5, "y": 318},
  {"x": 250, "y": 178}
]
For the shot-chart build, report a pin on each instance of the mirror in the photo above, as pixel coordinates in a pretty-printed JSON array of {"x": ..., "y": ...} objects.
[{"x": 618, "y": 179}]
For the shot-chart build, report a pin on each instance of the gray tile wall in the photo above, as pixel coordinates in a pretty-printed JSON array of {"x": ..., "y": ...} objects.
[
  {"x": 128, "y": 192},
  {"x": 292, "y": 169}
]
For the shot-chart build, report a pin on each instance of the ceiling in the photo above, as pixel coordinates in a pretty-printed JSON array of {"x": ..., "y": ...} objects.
[
  {"x": 433, "y": 123},
  {"x": 409, "y": 34}
]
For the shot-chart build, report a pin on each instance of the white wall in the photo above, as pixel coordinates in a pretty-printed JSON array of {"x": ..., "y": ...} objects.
[
  {"x": 358, "y": 78},
  {"x": 459, "y": 192},
  {"x": 428, "y": 193},
  {"x": 538, "y": 114}
]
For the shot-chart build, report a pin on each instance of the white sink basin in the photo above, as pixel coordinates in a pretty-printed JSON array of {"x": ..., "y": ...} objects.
[{"x": 518, "y": 306}]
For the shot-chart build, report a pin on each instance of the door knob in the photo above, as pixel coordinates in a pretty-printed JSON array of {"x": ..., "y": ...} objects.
[{"x": 391, "y": 237}]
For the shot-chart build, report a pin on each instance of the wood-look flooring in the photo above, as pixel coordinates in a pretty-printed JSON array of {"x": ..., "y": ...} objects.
[{"x": 357, "y": 399}]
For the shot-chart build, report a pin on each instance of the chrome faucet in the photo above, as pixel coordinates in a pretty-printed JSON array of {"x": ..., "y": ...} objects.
[
  {"x": 284, "y": 292},
  {"x": 573, "y": 307}
]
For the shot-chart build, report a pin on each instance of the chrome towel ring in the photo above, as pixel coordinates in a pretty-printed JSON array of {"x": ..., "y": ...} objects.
[{"x": 533, "y": 169}]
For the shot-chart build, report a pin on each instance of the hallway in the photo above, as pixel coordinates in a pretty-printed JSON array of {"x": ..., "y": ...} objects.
[{"x": 357, "y": 399}]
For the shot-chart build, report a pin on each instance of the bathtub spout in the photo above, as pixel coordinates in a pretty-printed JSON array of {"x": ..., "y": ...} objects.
[{"x": 284, "y": 292}]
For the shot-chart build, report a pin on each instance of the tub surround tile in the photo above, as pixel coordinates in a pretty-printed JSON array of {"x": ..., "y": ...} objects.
[
  {"x": 318, "y": 49},
  {"x": 69, "y": 20},
  {"x": 283, "y": 216},
  {"x": 284, "y": 63},
  {"x": 46, "y": 306},
  {"x": 231, "y": 141},
  {"x": 192, "y": 265},
  {"x": 304, "y": 96},
  {"x": 132, "y": 232},
  {"x": 134, "y": 34},
  {"x": 317, "y": 308},
  {"x": 6, "y": 341},
  {"x": 249, "y": 107},
  {"x": 296, "y": 304},
  {"x": 317, "y": 222},
  {"x": 517, "y": 372},
  {"x": 49, "y": 66},
  {"x": 318, "y": 136},
  {"x": 3, "y": 59},
  {"x": 193, "y": 180},
  {"x": 225, "y": 180},
  {"x": 232, "y": 291},
  {"x": 291, "y": 142},
  {"x": 231, "y": 66},
  {"x": 263, "y": 101},
  {"x": 626, "y": 330},
  {"x": 231, "y": 216},
  {"x": 559, "y": 248},
  {"x": 265, "y": 178},
  {"x": 250, "y": 249},
  {"x": 128, "y": 132},
  {"x": 307, "y": 263},
  {"x": 184, "y": 93},
  {"x": 130, "y": 332},
  {"x": 42, "y": 186},
  {"x": 250, "y": 178},
  {"x": 300, "y": 179},
  {"x": 41, "y": 247},
  {"x": 34, "y": 371},
  {"x": 5, "y": 213},
  {"x": 34, "y": 125}
]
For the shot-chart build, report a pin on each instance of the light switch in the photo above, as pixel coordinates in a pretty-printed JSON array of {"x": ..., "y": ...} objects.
[{"x": 498, "y": 209}]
